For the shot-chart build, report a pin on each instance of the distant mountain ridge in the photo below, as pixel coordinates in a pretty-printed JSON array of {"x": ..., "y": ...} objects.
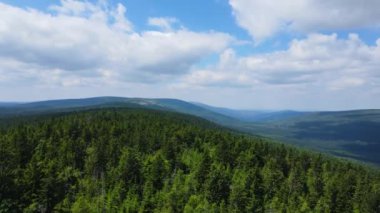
[
  {"x": 2, "y": 104},
  {"x": 255, "y": 115},
  {"x": 101, "y": 102}
]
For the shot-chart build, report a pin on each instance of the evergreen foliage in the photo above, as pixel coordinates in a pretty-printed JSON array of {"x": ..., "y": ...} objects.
[{"x": 133, "y": 160}]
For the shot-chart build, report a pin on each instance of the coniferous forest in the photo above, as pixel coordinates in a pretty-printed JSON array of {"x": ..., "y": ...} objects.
[{"x": 135, "y": 160}]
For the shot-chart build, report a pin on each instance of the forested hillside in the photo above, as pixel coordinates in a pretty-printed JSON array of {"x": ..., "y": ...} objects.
[
  {"x": 347, "y": 134},
  {"x": 135, "y": 160}
]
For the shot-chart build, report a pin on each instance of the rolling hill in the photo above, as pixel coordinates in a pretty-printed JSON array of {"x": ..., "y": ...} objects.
[
  {"x": 102, "y": 102},
  {"x": 349, "y": 134}
]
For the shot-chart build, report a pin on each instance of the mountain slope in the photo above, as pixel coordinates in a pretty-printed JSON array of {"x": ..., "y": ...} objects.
[{"x": 349, "y": 134}]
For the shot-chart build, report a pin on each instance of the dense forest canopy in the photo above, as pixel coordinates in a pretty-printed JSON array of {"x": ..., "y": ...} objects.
[{"x": 134, "y": 160}]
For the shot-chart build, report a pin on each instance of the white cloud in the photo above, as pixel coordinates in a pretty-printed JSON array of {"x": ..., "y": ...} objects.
[
  {"x": 210, "y": 78},
  {"x": 345, "y": 82},
  {"x": 95, "y": 42},
  {"x": 264, "y": 18},
  {"x": 121, "y": 23},
  {"x": 164, "y": 23},
  {"x": 317, "y": 72},
  {"x": 320, "y": 62}
]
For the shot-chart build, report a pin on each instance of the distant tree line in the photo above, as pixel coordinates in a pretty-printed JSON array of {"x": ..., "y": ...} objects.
[{"x": 131, "y": 160}]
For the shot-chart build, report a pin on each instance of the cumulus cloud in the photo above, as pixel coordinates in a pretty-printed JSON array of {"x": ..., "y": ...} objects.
[
  {"x": 96, "y": 41},
  {"x": 318, "y": 72},
  {"x": 322, "y": 61},
  {"x": 164, "y": 23},
  {"x": 264, "y": 18}
]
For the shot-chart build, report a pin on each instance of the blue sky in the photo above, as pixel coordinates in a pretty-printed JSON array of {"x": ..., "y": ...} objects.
[
  {"x": 198, "y": 15},
  {"x": 252, "y": 54}
]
